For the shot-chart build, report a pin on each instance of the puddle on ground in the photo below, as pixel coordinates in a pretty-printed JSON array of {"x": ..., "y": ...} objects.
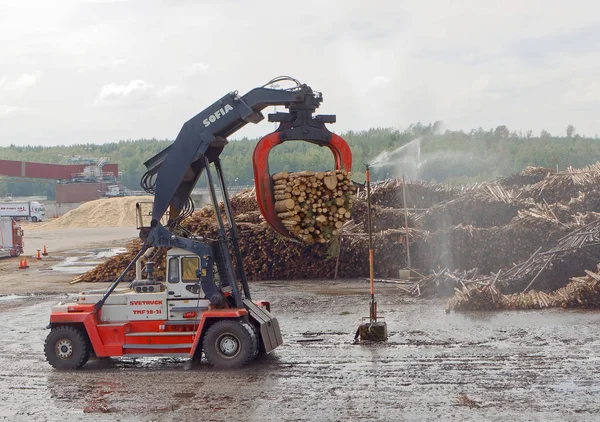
[
  {"x": 84, "y": 263},
  {"x": 9, "y": 298}
]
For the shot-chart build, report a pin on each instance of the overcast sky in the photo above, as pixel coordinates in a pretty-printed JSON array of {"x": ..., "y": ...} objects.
[{"x": 98, "y": 70}]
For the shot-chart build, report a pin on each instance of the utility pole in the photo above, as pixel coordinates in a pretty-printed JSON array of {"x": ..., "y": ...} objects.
[{"x": 408, "y": 263}]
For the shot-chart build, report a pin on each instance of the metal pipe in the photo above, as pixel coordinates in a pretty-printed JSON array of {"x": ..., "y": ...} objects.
[
  {"x": 406, "y": 222},
  {"x": 222, "y": 236},
  {"x": 113, "y": 286},
  {"x": 235, "y": 242},
  {"x": 138, "y": 264},
  {"x": 373, "y": 311}
]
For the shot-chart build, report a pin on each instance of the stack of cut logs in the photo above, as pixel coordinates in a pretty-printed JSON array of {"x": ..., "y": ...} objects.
[
  {"x": 483, "y": 226},
  {"x": 313, "y": 206}
]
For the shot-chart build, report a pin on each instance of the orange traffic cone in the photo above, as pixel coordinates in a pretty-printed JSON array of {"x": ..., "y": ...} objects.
[
  {"x": 45, "y": 251},
  {"x": 38, "y": 255},
  {"x": 20, "y": 263},
  {"x": 25, "y": 263}
]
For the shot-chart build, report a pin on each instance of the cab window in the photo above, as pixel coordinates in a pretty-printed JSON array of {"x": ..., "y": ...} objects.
[
  {"x": 189, "y": 265},
  {"x": 173, "y": 270}
]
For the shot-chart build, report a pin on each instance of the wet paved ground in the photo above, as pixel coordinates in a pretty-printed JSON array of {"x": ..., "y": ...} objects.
[{"x": 540, "y": 365}]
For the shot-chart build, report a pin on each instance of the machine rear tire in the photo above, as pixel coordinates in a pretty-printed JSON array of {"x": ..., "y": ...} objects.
[
  {"x": 229, "y": 344},
  {"x": 67, "y": 347}
]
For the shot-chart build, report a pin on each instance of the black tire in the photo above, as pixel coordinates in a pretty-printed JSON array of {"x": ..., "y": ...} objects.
[
  {"x": 67, "y": 347},
  {"x": 252, "y": 331},
  {"x": 228, "y": 344},
  {"x": 34, "y": 219}
]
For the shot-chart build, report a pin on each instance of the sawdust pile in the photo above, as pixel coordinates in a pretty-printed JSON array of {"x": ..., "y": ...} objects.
[{"x": 106, "y": 212}]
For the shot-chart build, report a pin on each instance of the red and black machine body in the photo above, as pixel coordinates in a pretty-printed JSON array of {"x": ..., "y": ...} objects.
[{"x": 171, "y": 176}]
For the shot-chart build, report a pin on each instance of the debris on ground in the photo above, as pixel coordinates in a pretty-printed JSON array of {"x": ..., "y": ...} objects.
[{"x": 464, "y": 400}]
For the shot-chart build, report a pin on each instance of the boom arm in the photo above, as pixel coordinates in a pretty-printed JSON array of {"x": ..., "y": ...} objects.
[
  {"x": 173, "y": 172},
  {"x": 178, "y": 167}
]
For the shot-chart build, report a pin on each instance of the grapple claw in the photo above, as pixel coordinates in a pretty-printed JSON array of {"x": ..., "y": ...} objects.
[{"x": 263, "y": 183}]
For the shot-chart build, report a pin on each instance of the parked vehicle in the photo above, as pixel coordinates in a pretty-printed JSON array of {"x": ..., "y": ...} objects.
[
  {"x": 32, "y": 210},
  {"x": 11, "y": 238}
]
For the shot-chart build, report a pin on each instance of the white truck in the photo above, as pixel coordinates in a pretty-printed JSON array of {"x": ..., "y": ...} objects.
[
  {"x": 11, "y": 238},
  {"x": 31, "y": 210}
]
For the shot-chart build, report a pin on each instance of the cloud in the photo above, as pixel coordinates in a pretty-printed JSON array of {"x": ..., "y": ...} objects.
[
  {"x": 21, "y": 84},
  {"x": 6, "y": 110},
  {"x": 27, "y": 80},
  {"x": 134, "y": 92},
  {"x": 170, "y": 90},
  {"x": 196, "y": 68},
  {"x": 379, "y": 81}
]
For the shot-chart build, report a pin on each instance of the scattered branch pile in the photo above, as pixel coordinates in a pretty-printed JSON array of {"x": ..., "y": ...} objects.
[{"x": 580, "y": 292}]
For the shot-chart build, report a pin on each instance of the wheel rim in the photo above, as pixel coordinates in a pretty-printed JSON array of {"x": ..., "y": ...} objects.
[
  {"x": 228, "y": 346},
  {"x": 64, "y": 348}
]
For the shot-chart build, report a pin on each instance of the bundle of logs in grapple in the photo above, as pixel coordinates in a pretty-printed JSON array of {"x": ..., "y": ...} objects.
[{"x": 313, "y": 206}]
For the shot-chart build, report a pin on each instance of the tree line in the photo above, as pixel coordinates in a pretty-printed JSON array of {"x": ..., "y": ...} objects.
[{"x": 422, "y": 151}]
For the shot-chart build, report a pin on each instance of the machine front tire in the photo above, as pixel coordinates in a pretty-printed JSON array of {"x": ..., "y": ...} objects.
[
  {"x": 229, "y": 344},
  {"x": 254, "y": 336},
  {"x": 34, "y": 219},
  {"x": 67, "y": 347}
]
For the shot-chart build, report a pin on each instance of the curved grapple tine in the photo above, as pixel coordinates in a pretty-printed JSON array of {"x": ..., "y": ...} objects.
[{"x": 265, "y": 194}]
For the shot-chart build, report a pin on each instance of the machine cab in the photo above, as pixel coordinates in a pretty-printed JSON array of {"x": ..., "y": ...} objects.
[
  {"x": 185, "y": 298},
  {"x": 181, "y": 280}
]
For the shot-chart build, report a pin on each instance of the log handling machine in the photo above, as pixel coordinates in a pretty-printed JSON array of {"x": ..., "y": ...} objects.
[{"x": 204, "y": 304}]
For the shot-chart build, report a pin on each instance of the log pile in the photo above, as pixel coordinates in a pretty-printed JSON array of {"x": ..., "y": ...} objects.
[
  {"x": 559, "y": 187},
  {"x": 485, "y": 228},
  {"x": 580, "y": 292},
  {"x": 268, "y": 256},
  {"x": 383, "y": 218},
  {"x": 313, "y": 206},
  {"x": 557, "y": 262},
  {"x": 242, "y": 202},
  {"x": 419, "y": 194},
  {"x": 486, "y": 206},
  {"x": 529, "y": 176}
]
